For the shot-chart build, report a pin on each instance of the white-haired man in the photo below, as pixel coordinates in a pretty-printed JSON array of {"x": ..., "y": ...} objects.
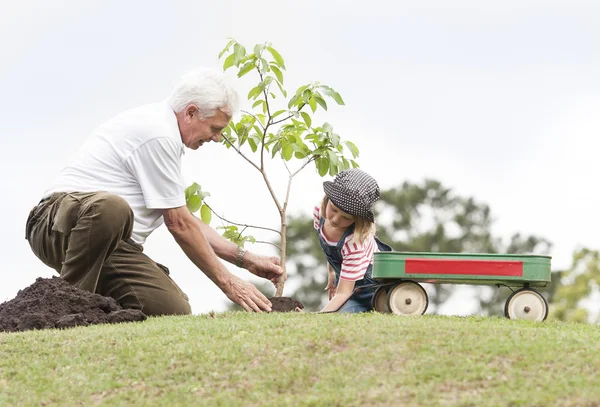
[{"x": 123, "y": 183}]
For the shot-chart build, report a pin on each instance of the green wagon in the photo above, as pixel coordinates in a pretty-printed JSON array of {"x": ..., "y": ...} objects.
[{"x": 398, "y": 275}]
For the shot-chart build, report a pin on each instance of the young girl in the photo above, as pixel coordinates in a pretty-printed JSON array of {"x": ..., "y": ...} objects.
[{"x": 346, "y": 228}]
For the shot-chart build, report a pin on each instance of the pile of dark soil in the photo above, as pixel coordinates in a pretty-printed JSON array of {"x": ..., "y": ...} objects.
[
  {"x": 54, "y": 303},
  {"x": 285, "y": 304}
]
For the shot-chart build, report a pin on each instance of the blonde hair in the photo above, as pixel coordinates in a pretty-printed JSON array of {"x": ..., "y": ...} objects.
[{"x": 363, "y": 228}]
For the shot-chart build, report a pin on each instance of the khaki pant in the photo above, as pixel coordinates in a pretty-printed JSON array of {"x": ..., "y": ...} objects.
[{"x": 85, "y": 237}]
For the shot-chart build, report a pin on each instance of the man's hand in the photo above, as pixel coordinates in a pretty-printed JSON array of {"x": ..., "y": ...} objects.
[
  {"x": 246, "y": 295},
  {"x": 262, "y": 266}
]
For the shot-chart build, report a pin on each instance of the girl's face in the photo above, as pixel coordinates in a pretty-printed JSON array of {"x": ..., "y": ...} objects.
[{"x": 336, "y": 217}]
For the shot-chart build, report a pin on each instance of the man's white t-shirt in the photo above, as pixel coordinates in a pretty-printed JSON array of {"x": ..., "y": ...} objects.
[{"x": 137, "y": 156}]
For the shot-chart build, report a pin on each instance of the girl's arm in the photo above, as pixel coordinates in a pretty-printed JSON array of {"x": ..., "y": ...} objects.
[
  {"x": 330, "y": 281},
  {"x": 344, "y": 290}
]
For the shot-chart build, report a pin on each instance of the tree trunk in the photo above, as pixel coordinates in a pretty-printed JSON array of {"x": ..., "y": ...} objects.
[{"x": 281, "y": 282}]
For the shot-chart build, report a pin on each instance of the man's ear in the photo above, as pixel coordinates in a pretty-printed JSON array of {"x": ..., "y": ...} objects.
[{"x": 190, "y": 111}]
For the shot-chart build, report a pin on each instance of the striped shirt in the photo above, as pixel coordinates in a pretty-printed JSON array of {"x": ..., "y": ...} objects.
[{"x": 356, "y": 257}]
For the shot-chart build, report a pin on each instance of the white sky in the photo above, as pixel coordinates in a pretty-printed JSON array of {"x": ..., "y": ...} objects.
[{"x": 498, "y": 100}]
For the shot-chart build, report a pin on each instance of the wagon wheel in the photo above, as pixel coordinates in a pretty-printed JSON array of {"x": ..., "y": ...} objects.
[
  {"x": 526, "y": 304},
  {"x": 380, "y": 300},
  {"x": 408, "y": 298}
]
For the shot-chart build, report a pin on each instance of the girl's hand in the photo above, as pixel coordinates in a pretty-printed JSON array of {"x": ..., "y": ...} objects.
[{"x": 343, "y": 293}]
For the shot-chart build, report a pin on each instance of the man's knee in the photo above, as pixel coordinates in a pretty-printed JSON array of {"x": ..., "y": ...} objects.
[{"x": 175, "y": 305}]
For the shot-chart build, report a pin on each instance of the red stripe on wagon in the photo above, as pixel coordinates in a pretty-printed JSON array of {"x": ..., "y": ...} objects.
[{"x": 467, "y": 267}]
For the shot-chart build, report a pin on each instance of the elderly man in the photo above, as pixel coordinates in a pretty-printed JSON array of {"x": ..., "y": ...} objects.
[{"x": 123, "y": 183}]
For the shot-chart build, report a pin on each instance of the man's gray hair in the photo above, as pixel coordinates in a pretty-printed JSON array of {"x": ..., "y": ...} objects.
[{"x": 208, "y": 90}]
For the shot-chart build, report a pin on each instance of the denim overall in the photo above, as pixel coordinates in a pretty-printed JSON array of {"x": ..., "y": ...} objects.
[{"x": 361, "y": 299}]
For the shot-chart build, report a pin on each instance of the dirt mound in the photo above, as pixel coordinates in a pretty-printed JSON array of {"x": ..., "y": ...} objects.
[
  {"x": 285, "y": 304},
  {"x": 54, "y": 303}
]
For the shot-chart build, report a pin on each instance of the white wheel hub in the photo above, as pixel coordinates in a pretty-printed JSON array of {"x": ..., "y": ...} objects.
[
  {"x": 408, "y": 298},
  {"x": 528, "y": 305}
]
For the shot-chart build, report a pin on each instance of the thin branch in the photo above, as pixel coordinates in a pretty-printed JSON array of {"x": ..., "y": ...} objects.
[
  {"x": 271, "y": 243},
  {"x": 240, "y": 152},
  {"x": 287, "y": 194},
  {"x": 262, "y": 148},
  {"x": 264, "y": 174},
  {"x": 282, "y": 120},
  {"x": 241, "y": 224},
  {"x": 255, "y": 118},
  {"x": 287, "y": 168},
  {"x": 290, "y": 116},
  {"x": 289, "y": 186},
  {"x": 311, "y": 159},
  {"x": 264, "y": 136}
]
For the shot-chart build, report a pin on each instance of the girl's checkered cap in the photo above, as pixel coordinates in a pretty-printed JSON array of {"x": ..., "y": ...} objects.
[{"x": 353, "y": 191}]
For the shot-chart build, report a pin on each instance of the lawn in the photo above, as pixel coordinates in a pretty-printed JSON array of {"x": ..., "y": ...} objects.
[{"x": 295, "y": 359}]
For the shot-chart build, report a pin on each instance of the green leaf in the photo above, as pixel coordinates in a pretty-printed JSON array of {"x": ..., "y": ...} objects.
[
  {"x": 313, "y": 104},
  {"x": 333, "y": 158},
  {"x": 253, "y": 145},
  {"x": 299, "y": 155},
  {"x": 276, "y": 56},
  {"x": 354, "y": 164},
  {"x": 293, "y": 101},
  {"x": 335, "y": 140},
  {"x": 277, "y": 113},
  {"x": 277, "y": 73},
  {"x": 229, "y": 44},
  {"x": 205, "y": 214},
  {"x": 191, "y": 190},
  {"x": 321, "y": 101},
  {"x": 311, "y": 137},
  {"x": 306, "y": 95},
  {"x": 264, "y": 66},
  {"x": 258, "y": 49},
  {"x": 322, "y": 164},
  {"x": 254, "y": 92},
  {"x": 283, "y": 91},
  {"x": 276, "y": 148},
  {"x": 333, "y": 169},
  {"x": 345, "y": 164},
  {"x": 353, "y": 149},
  {"x": 194, "y": 203},
  {"x": 246, "y": 68},
  {"x": 287, "y": 151},
  {"x": 239, "y": 53},
  {"x": 301, "y": 89},
  {"x": 228, "y": 63},
  {"x": 336, "y": 96},
  {"x": 306, "y": 118},
  {"x": 266, "y": 82},
  {"x": 327, "y": 128}
]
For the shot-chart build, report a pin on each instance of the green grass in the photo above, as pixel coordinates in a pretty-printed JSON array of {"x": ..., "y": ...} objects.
[{"x": 304, "y": 360}]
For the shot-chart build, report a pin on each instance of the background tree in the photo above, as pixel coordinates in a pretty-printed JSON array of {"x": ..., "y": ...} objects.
[{"x": 578, "y": 285}]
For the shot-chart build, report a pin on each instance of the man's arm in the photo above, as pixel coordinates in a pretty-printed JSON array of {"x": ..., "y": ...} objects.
[
  {"x": 222, "y": 247},
  {"x": 266, "y": 267},
  {"x": 188, "y": 233}
]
